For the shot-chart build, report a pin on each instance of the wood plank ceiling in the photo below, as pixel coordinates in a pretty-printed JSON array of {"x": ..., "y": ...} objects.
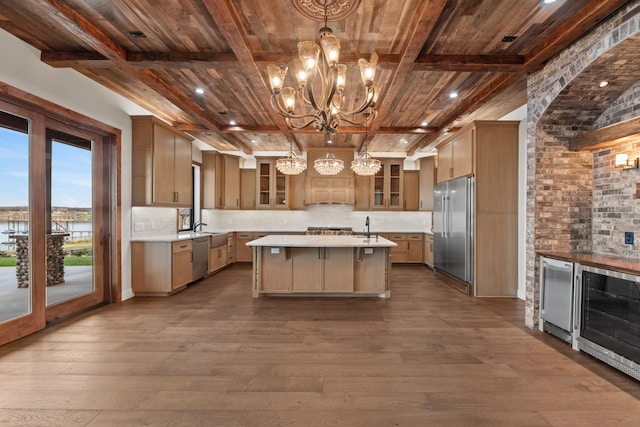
[{"x": 158, "y": 53}]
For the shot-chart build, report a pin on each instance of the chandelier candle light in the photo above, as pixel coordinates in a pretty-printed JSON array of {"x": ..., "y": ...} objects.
[{"x": 322, "y": 107}]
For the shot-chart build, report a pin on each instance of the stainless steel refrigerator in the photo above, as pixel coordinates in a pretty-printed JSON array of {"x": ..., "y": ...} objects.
[{"x": 453, "y": 228}]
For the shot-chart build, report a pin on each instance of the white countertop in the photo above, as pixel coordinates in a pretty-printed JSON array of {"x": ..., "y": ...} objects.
[
  {"x": 175, "y": 237},
  {"x": 316, "y": 241}
]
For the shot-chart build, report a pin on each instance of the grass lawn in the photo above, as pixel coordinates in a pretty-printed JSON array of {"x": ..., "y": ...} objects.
[{"x": 68, "y": 261}]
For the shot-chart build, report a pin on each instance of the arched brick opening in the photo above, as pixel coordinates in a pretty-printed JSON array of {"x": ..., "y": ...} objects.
[{"x": 572, "y": 196}]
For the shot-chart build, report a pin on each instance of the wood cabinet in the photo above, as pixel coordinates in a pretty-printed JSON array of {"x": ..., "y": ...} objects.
[
  {"x": 243, "y": 252},
  {"x": 411, "y": 190},
  {"x": 387, "y": 186},
  {"x": 494, "y": 145},
  {"x": 218, "y": 252},
  {"x": 247, "y": 188},
  {"x": 371, "y": 270},
  {"x": 427, "y": 179},
  {"x": 231, "y": 248},
  {"x": 161, "y": 268},
  {"x": 455, "y": 156},
  {"x": 221, "y": 181},
  {"x": 217, "y": 258},
  {"x": 161, "y": 163},
  {"x": 362, "y": 193},
  {"x": 428, "y": 249},
  {"x": 296, "y": 192},
  {"x": 274, "y": 265},
  {"x": 328, "y": 189},
  {"x": 271, "y": 185},
  {"x": 409, "y": 250},
  {"x": 322, "y": 270}
]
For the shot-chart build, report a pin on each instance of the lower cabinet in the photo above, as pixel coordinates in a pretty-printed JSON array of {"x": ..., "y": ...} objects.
[
  {"x": 322, "y": 269},
  {"x": 217, "y": 258},
  {"x": 428, "y": 249},
  {"x": 409, "y": 250},
  {"x": 243, "y": 252},
  {"x": 161, "y": 268},
  {"x": 371, "y": 265}
]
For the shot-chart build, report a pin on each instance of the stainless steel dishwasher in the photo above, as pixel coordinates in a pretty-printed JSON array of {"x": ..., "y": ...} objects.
[
  {"x": 556, "y": 297},
  {"x": 200, "y": 257}
]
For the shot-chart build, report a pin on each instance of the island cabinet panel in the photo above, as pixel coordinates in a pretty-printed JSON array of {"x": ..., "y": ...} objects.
[
  {"x": 338, "y": 269},
  {"x": 275, "y": 268},
  {"x": 371, "y": 265},
  {"x": 308, "y": 266},
  {"x": 322, "y": 265}
]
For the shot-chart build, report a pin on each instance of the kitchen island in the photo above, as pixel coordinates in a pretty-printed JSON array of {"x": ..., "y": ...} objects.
[{"x": 351, "y": 265}]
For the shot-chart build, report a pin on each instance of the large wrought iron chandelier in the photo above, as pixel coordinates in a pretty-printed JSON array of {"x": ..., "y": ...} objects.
[
  {"x": 366, "y": 165},
  {"x": 319, "y": 100},
  {"x": 291, "y": 164}
]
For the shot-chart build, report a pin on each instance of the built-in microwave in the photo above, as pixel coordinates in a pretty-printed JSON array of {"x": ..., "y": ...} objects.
[{"x": 608, "y": 318}]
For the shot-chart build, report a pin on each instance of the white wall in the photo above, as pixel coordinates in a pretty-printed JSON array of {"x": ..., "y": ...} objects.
[
  {"x": 521, "y": 115},
  {"x": 21, "y": 67}
]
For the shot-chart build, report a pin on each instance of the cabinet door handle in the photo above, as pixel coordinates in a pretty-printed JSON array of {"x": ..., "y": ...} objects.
[
  {"x": 237, "y": 202},
  {"x": 319, "y": 253}
]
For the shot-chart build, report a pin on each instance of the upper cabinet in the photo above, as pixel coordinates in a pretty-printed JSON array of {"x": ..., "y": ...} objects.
[
  {"x": 455, "y": 157},
  {"x": 411, "y": 190},
  {"x": 220, "y": 181},
  {"x": 387, "y": 186},
  {"x": 427, "y": 177},
  {"x": 337, "y": 188},
  {"x": 271, "y": 186},
  {"x": 161, "y": 160},
  {"x": 247, "y": 188}
]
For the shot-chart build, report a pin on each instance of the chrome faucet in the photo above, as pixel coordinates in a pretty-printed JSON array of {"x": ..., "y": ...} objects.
[
  {"x": 198, "y": 224},
  {"x": 366, "y": 223}
]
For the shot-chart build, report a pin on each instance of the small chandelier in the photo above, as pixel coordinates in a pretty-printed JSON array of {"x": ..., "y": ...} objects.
[
  {"x": 322, "y": 107},
  {"x": 291, "y": 164},
  {"x": 328, "y": 165},
  {"x": 366, "y": 165}
]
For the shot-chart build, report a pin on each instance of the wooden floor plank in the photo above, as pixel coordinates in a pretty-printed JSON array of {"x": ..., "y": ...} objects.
[{"x": 213, "y": 355}]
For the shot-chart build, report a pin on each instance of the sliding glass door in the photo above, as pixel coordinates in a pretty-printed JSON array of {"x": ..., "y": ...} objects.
[{"x": 57, "y": 220}]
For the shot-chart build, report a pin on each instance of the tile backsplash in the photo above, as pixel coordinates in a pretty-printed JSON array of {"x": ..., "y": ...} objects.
[{"x": 151, "y": 222}]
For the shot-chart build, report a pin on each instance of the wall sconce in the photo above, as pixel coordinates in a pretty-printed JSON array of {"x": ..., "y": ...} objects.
[{"x": 622, "y": 161}]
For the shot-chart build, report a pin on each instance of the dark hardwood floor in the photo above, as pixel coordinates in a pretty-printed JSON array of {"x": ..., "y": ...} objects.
[{"x": 214, "y": 356}]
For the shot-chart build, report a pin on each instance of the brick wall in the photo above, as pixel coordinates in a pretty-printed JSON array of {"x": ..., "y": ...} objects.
[{"x": 577, "y": 201}]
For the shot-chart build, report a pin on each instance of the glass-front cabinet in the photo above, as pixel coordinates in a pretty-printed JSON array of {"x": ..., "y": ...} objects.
[
  {"x": 271, "y": 185},
  {"x": 387, "y": 186}
]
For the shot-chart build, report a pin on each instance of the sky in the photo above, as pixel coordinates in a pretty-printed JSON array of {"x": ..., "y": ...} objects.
[{"x": 71, "y": 172}]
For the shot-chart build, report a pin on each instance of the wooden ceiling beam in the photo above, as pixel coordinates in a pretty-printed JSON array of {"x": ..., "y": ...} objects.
[
  {"x": 78, "y": 26},
  {"x": 594, "y": 11},
  {"x": 224, "y": 15},
  {"x": 190, "y": 127},
  {"x": 619, "y": 133},
  {"x": 485, "y": 63},
  {"x": 421, "y": 26}
]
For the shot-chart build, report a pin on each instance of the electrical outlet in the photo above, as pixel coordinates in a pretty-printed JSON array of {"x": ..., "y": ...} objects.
[
  {"x": 138, "y": 226},
  {"x": 628, "y": 238}
]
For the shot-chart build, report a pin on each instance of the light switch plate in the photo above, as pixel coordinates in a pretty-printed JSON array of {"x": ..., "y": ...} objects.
[
  {"x": 368, "y": 251},
  {"x": 275, "y": 250}
]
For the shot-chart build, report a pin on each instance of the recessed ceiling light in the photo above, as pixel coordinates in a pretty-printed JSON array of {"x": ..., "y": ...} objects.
[
  {"x": 548, "y": 1},
  {"x": 404, "y": 141},
  {"x": 232, "y": 122},
  {"x": 424, "y": 124},
  {"x": 137, "y": 34},
  {"x": 253, "y": 141},
  {"x": 453, "y": 94},
  {"x": 199, "y": 90},
  {"x": 603, "y": 83}
]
